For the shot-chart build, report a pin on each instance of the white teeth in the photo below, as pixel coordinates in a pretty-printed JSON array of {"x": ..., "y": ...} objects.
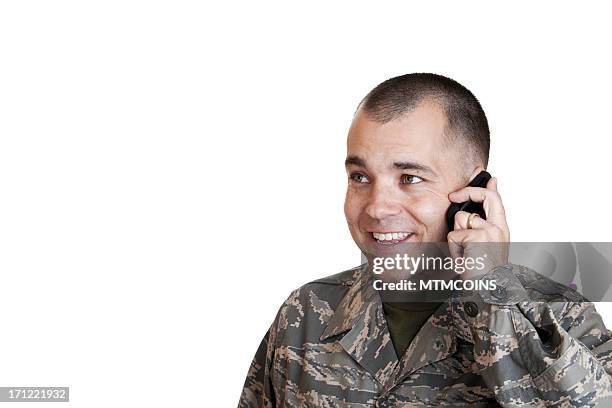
[{"x": 390, "y": 236}]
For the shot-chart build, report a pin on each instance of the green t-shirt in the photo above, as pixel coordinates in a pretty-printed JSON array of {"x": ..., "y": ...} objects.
[{"x": 405, "y": 320}]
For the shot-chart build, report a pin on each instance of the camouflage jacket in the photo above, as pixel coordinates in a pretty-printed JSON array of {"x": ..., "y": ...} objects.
[{"x": 329, "y": 346}]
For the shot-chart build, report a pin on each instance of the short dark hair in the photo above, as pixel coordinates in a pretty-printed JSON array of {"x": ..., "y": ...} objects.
[{"x": 465, "y": 117}]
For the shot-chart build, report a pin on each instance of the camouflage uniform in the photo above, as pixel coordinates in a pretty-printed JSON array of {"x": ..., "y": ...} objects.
[{"x": 329, "y": 346}]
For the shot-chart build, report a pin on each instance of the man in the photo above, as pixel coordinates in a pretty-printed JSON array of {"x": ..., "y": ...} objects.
[{"x": 414, "y": 144}]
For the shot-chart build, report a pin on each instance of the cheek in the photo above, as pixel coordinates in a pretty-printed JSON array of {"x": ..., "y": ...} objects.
[
  {"x": 350, "y": 207},
  {"x": 428, "y": 208},
  {"x": 354, "y": 204}
]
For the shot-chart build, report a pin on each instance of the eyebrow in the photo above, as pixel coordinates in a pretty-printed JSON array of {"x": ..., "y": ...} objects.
[
  {"x": 401, "y": 165},
  {"x": 408, "y": 165},
  {"x": 355, "y": 161}
]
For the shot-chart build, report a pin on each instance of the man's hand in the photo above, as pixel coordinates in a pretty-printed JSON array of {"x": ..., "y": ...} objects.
[{"x": 493, "y": 230}]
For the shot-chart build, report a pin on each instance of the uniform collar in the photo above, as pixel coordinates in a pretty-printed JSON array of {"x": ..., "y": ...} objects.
[
  {"x": 352, "y": 305},
  {"x": 360, "y": 316}
]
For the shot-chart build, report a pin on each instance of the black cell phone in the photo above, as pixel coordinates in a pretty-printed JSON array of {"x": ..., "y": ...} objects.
[{"x": 480, "y": 180}]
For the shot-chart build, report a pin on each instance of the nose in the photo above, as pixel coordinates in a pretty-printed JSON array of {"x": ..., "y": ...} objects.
[{"x": 382, "y": 204}]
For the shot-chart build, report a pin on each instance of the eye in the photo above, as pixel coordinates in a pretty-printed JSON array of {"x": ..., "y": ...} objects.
[
  {"x": 410, "y": 179},
  {"x": 359, "y": 178}
]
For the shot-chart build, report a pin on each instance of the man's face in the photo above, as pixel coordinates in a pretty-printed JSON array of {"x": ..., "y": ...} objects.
[{"x": 400, "y": 175}]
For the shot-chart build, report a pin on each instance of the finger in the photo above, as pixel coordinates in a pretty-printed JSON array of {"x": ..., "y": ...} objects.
[
  {"x": 491, "y": 202},
  {"x": 462, "y": 195},
  {"x": 475, "y": 194},
  {"x": 455, "y": 242},
  {"x": 462, "y": 237},
  {"x": 462, "y": 218},
  {"x": 455, "y": 249},
  {"x": 493, "y": 233},
  {"x": 492, "y": 184}
]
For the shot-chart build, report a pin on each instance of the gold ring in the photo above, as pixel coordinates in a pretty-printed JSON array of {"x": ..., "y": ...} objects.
[{"x": 470, "y": 219}]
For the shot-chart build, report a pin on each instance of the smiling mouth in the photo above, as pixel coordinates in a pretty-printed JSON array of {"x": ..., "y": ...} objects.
[{"x": 391, "y": 238}]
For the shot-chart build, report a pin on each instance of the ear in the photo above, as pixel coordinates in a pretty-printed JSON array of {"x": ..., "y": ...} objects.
[{"x": 477, "y": 170}]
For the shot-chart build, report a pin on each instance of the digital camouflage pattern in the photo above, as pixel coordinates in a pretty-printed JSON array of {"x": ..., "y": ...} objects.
[{"x": 329, "y": 346}]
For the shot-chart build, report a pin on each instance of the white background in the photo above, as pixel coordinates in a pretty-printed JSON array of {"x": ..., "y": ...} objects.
[{"x": 170, "y": 171}]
